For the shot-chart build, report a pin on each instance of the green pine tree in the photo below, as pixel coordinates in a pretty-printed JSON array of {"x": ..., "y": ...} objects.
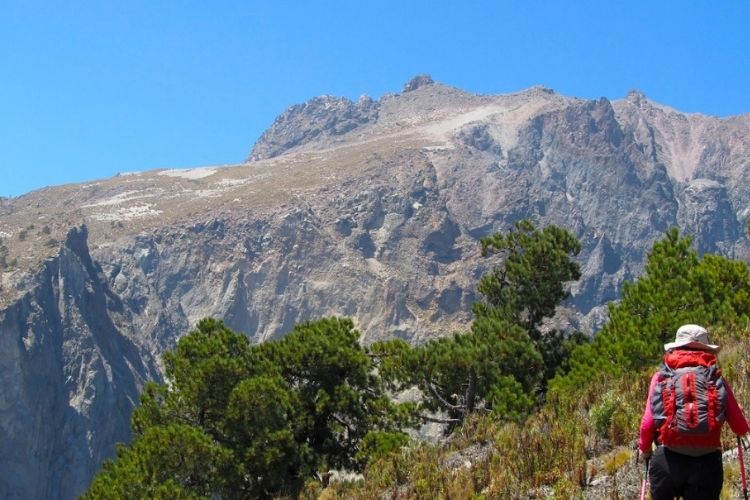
[
  {"x": 677, "y": 287},
  {"x": 236, "y": 420},
  {"x": 502, "y": 364}
]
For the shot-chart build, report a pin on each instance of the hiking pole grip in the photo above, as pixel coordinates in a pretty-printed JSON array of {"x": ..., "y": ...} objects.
[
  {"x": 644, "y": 484},
  {"x": 741, "y": 458}
]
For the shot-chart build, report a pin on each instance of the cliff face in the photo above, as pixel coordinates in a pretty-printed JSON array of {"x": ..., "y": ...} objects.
[
  {"x": 70, "y": 377},
  {"x": 371, "y": 210}
]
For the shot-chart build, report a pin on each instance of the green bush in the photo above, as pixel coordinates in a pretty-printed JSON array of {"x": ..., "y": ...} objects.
[{"x": 601, "y": 414}]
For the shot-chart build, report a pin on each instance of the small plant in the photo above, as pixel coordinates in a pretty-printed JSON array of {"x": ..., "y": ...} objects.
[
  {"x": 564, "y": 488},
  {"x": 617, "y": 460},
  {"x": 601, "y": 414},
  {"x": 311, "y": 491},
  {"x": 46, "y": 230},
  {"x": 377, "y": 444},
  {"x": 732, "y": 478},
  {"x": 461, "y": 485},
  {"x": 23, "y": 234}
]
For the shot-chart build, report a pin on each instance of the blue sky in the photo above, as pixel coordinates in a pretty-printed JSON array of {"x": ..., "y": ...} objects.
[{"x": 92, "y": 88}]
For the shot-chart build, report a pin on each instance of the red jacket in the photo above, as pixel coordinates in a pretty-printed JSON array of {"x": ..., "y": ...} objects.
[{"x": 734, "y": 415}]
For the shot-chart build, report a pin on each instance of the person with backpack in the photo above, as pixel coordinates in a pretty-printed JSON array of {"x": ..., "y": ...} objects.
[{"x": 688, "y": 403}]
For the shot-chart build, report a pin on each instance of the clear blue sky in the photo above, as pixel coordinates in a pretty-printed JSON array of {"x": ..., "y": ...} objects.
[{"x": 92, "y": 88}]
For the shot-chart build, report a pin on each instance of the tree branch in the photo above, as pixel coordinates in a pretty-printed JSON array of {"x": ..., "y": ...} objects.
[
  {"x": 349, "y": 429},
  {"x": 471, "y": 391},
  {"x": 439, "y": 420},
  {"x": 440, "y": 398}
]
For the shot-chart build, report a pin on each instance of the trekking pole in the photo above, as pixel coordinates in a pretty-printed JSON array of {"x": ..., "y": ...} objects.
[
  {"x": 741, "y": 458},
  {"x": 644, "y": 484}
]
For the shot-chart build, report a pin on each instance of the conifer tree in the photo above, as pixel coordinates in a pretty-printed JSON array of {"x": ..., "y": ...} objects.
[
  {"x": 677, "y": 287},
  {"x": 501, "y": 365},
  {"x": 532, "y": 279},
  {"x": 236, "y": 420}
]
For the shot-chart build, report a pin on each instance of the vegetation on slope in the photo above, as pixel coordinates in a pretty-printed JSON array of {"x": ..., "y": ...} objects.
[
  {"x": 254, "y": 421},
  {"x": 502, "y": 365},
  {"x": 242, "y": 421},
  {"x": 580, "y": 444}
]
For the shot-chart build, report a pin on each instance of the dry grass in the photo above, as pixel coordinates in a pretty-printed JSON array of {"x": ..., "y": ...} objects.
[
  {"x": 34, "y": 225},
  {"x": 556, "y": 453}
]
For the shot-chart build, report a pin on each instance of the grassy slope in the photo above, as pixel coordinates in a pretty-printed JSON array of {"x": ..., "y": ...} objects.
[{"x": 577, "y": 446}]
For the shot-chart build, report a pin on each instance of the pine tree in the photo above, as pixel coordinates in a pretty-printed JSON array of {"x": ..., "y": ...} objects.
[
  {"x": 677, "y": 287},
  {"x": 502, "y": 364},
  {"x": 236, "y": 420}
]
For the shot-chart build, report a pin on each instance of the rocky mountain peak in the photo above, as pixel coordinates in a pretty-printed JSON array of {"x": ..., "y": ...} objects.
[
  {"x": 417, "y": 82},
  {"x": 319, "y": 119},
  {"x": 635, "y": 96}
]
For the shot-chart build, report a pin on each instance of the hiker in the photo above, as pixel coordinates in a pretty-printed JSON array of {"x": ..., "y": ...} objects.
[{"x": 688, "y": 402}]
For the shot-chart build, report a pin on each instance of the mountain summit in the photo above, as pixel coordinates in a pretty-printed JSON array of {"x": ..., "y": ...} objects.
[{"x": 370, "y": 209}]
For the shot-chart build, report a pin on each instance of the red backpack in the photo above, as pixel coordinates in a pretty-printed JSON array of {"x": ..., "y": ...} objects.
[{"x": 689, "y": 401}]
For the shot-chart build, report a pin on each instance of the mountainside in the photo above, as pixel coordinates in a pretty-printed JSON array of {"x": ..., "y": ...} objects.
[{"x": 370, "y": 209}]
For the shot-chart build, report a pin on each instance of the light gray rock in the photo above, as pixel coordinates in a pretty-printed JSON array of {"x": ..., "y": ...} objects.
[{"x": 70, "y": 375}]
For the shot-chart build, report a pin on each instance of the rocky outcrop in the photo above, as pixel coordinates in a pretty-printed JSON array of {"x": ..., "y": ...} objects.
[
  {"x": 320, "y": 119},
  {"x": 371, "y": 210},
  {"x": 706, "y": 208},
  {"x": 71, "y": 371},
  {"x": 417, "y": 82}
]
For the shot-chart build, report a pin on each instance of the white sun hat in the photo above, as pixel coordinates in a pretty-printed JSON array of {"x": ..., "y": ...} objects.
[{"x": 691, "y": 337}]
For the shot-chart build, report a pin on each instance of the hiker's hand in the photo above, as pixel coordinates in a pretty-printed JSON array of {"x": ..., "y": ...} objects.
[{"x": 647, "y": 455}]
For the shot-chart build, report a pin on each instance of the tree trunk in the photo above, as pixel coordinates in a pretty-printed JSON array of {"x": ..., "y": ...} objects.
[{"x": 471, "y": 393}]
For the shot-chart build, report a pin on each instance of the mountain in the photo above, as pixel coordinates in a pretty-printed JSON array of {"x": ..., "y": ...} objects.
[{"x": 370, "y": 209}]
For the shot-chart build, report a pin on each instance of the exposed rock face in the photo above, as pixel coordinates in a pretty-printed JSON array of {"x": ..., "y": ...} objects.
[
  {"x": 417, "y": 82},
  {"x": 319, "y": 119},
  {"x": 370, "y": 209},
  {"x": 705, "y": 206},
  {"x": 65, "y": 365}
]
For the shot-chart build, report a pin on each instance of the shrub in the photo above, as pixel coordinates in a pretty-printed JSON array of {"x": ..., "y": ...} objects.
[{"x": 601, "y": 414}]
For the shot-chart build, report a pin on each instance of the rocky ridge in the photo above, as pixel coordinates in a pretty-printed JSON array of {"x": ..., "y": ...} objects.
[{"x": 370, "y": 209}]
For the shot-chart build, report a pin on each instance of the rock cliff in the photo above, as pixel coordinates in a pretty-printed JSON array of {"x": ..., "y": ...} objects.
[{"x": 370, "y": 209}]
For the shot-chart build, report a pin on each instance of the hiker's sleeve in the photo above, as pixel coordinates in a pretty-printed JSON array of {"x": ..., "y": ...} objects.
[
  {"x": 648, "y": 432},
  {"x": 735, "y": 418}
]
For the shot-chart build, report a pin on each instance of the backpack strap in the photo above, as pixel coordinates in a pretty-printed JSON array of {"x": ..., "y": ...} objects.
[{"x": 663, "y": 399}]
